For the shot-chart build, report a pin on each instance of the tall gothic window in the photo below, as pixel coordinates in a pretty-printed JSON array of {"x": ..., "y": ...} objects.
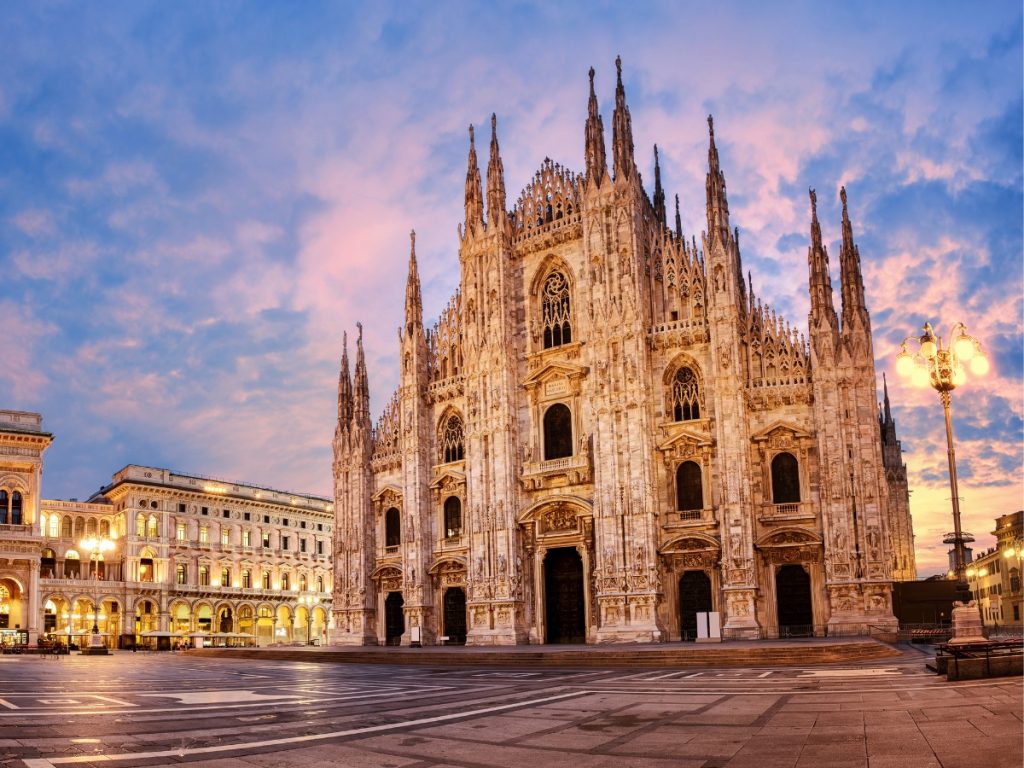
[
  {"x": 785, "y": 479},
  {"x": 452, "y": 439},
  {"x": 685, "y": 396},
  {"x": 556, "y": 311},
  {"x": 689, "y": 493},
  {"x": 16, "y": 508},
  {"x": 3, "y": 506},
  {"x": 557, "y": 432},
  {"x": 392, "y": 528},
  {"x": 452, "y": 517}
]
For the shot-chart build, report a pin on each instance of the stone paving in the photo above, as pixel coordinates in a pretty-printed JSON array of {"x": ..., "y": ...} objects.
[{"x": 166, "y": 709}]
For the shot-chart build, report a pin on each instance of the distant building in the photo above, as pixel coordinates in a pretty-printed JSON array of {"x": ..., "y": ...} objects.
[
  {"x": 607, "y": 432},
  {"x": 189, "y": 555},
  {"x": 994, "y": 577}
]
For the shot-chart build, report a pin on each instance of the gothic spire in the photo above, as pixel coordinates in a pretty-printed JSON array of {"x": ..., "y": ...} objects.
[
  {"x": 594, "y": 138},
  {"x": 850, "y": 272},
  {"x": 361, "y": 398},
  {"x": 659, "y": 193},
  {"x": 622, "y": 130},
  {"x": 495, "y": 179},
  {"x": 679, "y": 220},
  {"x": 474, "y": 195},
  {"x": 344, "y": 386},
  {"x": 819, "y": 281},
  {"x": 717, "y": 204},
  {"x": 413, "y": 297},
  {"x": 886, "y": 408}
]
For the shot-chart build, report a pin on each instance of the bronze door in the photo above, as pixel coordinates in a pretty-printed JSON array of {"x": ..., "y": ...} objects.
[
  {"x": 455, "y": 616},
  {"x": 694, "y": 598},
  {"x": 563, "y": 588},
  {"x": 793, "y": 598},
  {"x": 394, "y": 619}
]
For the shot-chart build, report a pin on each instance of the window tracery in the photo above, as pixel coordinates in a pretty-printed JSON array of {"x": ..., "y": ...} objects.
[
  {"x": 556, "y": 311},
  {"x": 685, "y": 395},
  {"x": 452, "y": 439}
]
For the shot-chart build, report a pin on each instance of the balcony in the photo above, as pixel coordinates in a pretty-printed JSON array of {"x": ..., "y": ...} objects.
[
  {"x": 570, "y": 470},
  {"x": 690, "y": 518},
  {"x": 772, "y": 513}
]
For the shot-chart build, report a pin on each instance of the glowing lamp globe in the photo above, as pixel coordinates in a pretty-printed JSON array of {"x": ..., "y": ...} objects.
[
  {"x": 919, "y": 377},
  {"x": 904, "y": 363},
  {"x": 979, "y": 365},
  {"x": 964, "y": 347}
]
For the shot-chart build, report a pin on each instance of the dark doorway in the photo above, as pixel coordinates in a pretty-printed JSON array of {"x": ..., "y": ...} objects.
[
  {"x": 563, "y": 590},
  {"x": 455, "y": 616},
  {"x": 694, "y": 598},
  {"x": 394, "y": 619},
  {"x": 793, "y": 597}
]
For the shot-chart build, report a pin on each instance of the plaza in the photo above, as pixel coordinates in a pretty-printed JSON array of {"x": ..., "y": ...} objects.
[{"x": 168, "y": 709}]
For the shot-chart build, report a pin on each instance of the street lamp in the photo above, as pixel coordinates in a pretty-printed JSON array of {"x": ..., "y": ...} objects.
[
  {"x": 309, "y": 600},
  {"x": 96, "y": 546},
  {"x": 943, "y": 369}
]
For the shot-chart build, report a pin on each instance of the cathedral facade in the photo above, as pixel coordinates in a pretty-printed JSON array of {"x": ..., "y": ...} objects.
[{"x": 606, "y": 433}]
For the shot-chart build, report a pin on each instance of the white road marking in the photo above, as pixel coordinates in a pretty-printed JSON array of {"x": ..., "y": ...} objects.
[
  {"x": 221, "y": 697},
  {"x": 91, "y": 758},
  {"x": 870, "y": 672},
  {"x": 6, "y": 703},
  {"x": 765, "y": 674}
]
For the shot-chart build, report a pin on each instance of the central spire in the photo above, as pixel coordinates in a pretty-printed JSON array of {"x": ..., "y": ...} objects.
[
  {"x": 495, "y": 180},
  {"x": 717, "y": 203},
  {"x": 413, "y": 297},
  {"x": 344, "y": 386},
  {"x": 659, "y": 193},
  {"x": 622, "y": 130},
  {"x": 474, "y": 195},
  {"x": 597, "y": 165},
  {"x": 820, "y": 281}
]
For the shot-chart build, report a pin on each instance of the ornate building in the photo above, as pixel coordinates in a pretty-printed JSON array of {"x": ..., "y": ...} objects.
[
  {"x": 606, "y": 432},
  {"x": 187, "y": 555}
]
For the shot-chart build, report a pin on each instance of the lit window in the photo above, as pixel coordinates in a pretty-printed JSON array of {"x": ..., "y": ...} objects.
[
  {"x": 204, "y": 575},
  {"x": 286, "y": 581},
  {"x": 246, "y": 579},
  {"x": 225, "y": 577},
  {"x": 54, "y": 526},
  {"x": 204, "y": 535},
  {"x": 266, "y": 579},
  {"x": 181, "y": 575},
  {"x": 180, "y": 532},
  {"x": 266, "y": 540},
  {"x": 246, "y": 538},
  {"x": 225, "y": 537}
]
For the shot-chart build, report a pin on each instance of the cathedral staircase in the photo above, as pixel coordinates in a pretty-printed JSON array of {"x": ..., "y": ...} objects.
[{"x": 731, "y": 654}]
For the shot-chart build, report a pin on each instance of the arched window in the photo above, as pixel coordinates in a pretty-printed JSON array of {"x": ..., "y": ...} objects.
[
  {"x": 79, "y": 528},
  {"x": 685, "y": 396},
  {"x": 556, "y": 314},
  {"x": 452, "y": 439},
  {"x": 266, "y": 579},
  {"x": 557, "y": 432},
  {"x": 392, "y": 528},
  {"x": 246, "y": 579},
  {"x": 90, "y": 526},
  {"x": 15, "y": 508},
  {"x": 785, "y": 479},
  {"x": 105, "y": 528},
  {"x": 151, "y": 527},
  {"x": 3, "y": 506},
  {"x": 452, "y": 517},
  {"x": 65, "y": 528},
  {"x": 319, "y": 583},
  {"x": 689, "y": 492},
  {"x": 303, "y": 583},
  {"x": 54, "y": 526},
  {"x": 140, "y": 525},
  {"x": 286, "y": 581},
  {"x": 204, "y": 575},
  {"x": 180, "y": 574}
]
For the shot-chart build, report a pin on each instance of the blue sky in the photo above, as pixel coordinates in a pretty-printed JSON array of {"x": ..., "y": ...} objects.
[{"x": 196, "y": 199}]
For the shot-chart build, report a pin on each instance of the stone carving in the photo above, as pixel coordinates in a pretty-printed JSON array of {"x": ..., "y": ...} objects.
[{"x": 560, "y": 518}]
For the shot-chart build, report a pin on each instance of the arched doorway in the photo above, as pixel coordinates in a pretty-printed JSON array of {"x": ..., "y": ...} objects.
[
  {"x": 793, "y": 599},
  {"x": 394, "y": 618},
  {"x": 694, "y": 598},
  {"x": 455, "y": 616},
  {"x": 564, "y": 615}
]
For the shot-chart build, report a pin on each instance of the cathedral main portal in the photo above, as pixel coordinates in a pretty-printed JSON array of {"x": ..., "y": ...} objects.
[
  {"x": 793, "y": 593},
  {"x": 455, "y": 616},
  {"x": 563, "y": 588},
  {"x": 394, "y": 618},
  {"x": 694, "y": 598}
]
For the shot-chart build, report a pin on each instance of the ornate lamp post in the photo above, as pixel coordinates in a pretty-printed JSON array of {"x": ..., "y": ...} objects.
[
  {"x": 96, "y": 546},
  {"x": 943, "y": 370},
  {"x": 309, "y": 600}
]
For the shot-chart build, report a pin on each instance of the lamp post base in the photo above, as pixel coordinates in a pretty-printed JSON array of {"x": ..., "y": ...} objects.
[
  {"x": 96, "y": 646},
  {"x": 967, "y": 624}
]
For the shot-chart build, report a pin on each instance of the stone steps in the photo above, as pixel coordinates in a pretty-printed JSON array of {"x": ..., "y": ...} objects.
[{"x": 757, "y": 654}]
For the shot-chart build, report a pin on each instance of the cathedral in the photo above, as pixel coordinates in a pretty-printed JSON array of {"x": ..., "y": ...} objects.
[{"x": 606, "y": 436}]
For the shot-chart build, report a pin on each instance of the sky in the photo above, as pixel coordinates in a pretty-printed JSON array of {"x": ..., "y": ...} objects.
[{"x": 197, "y": 199}]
